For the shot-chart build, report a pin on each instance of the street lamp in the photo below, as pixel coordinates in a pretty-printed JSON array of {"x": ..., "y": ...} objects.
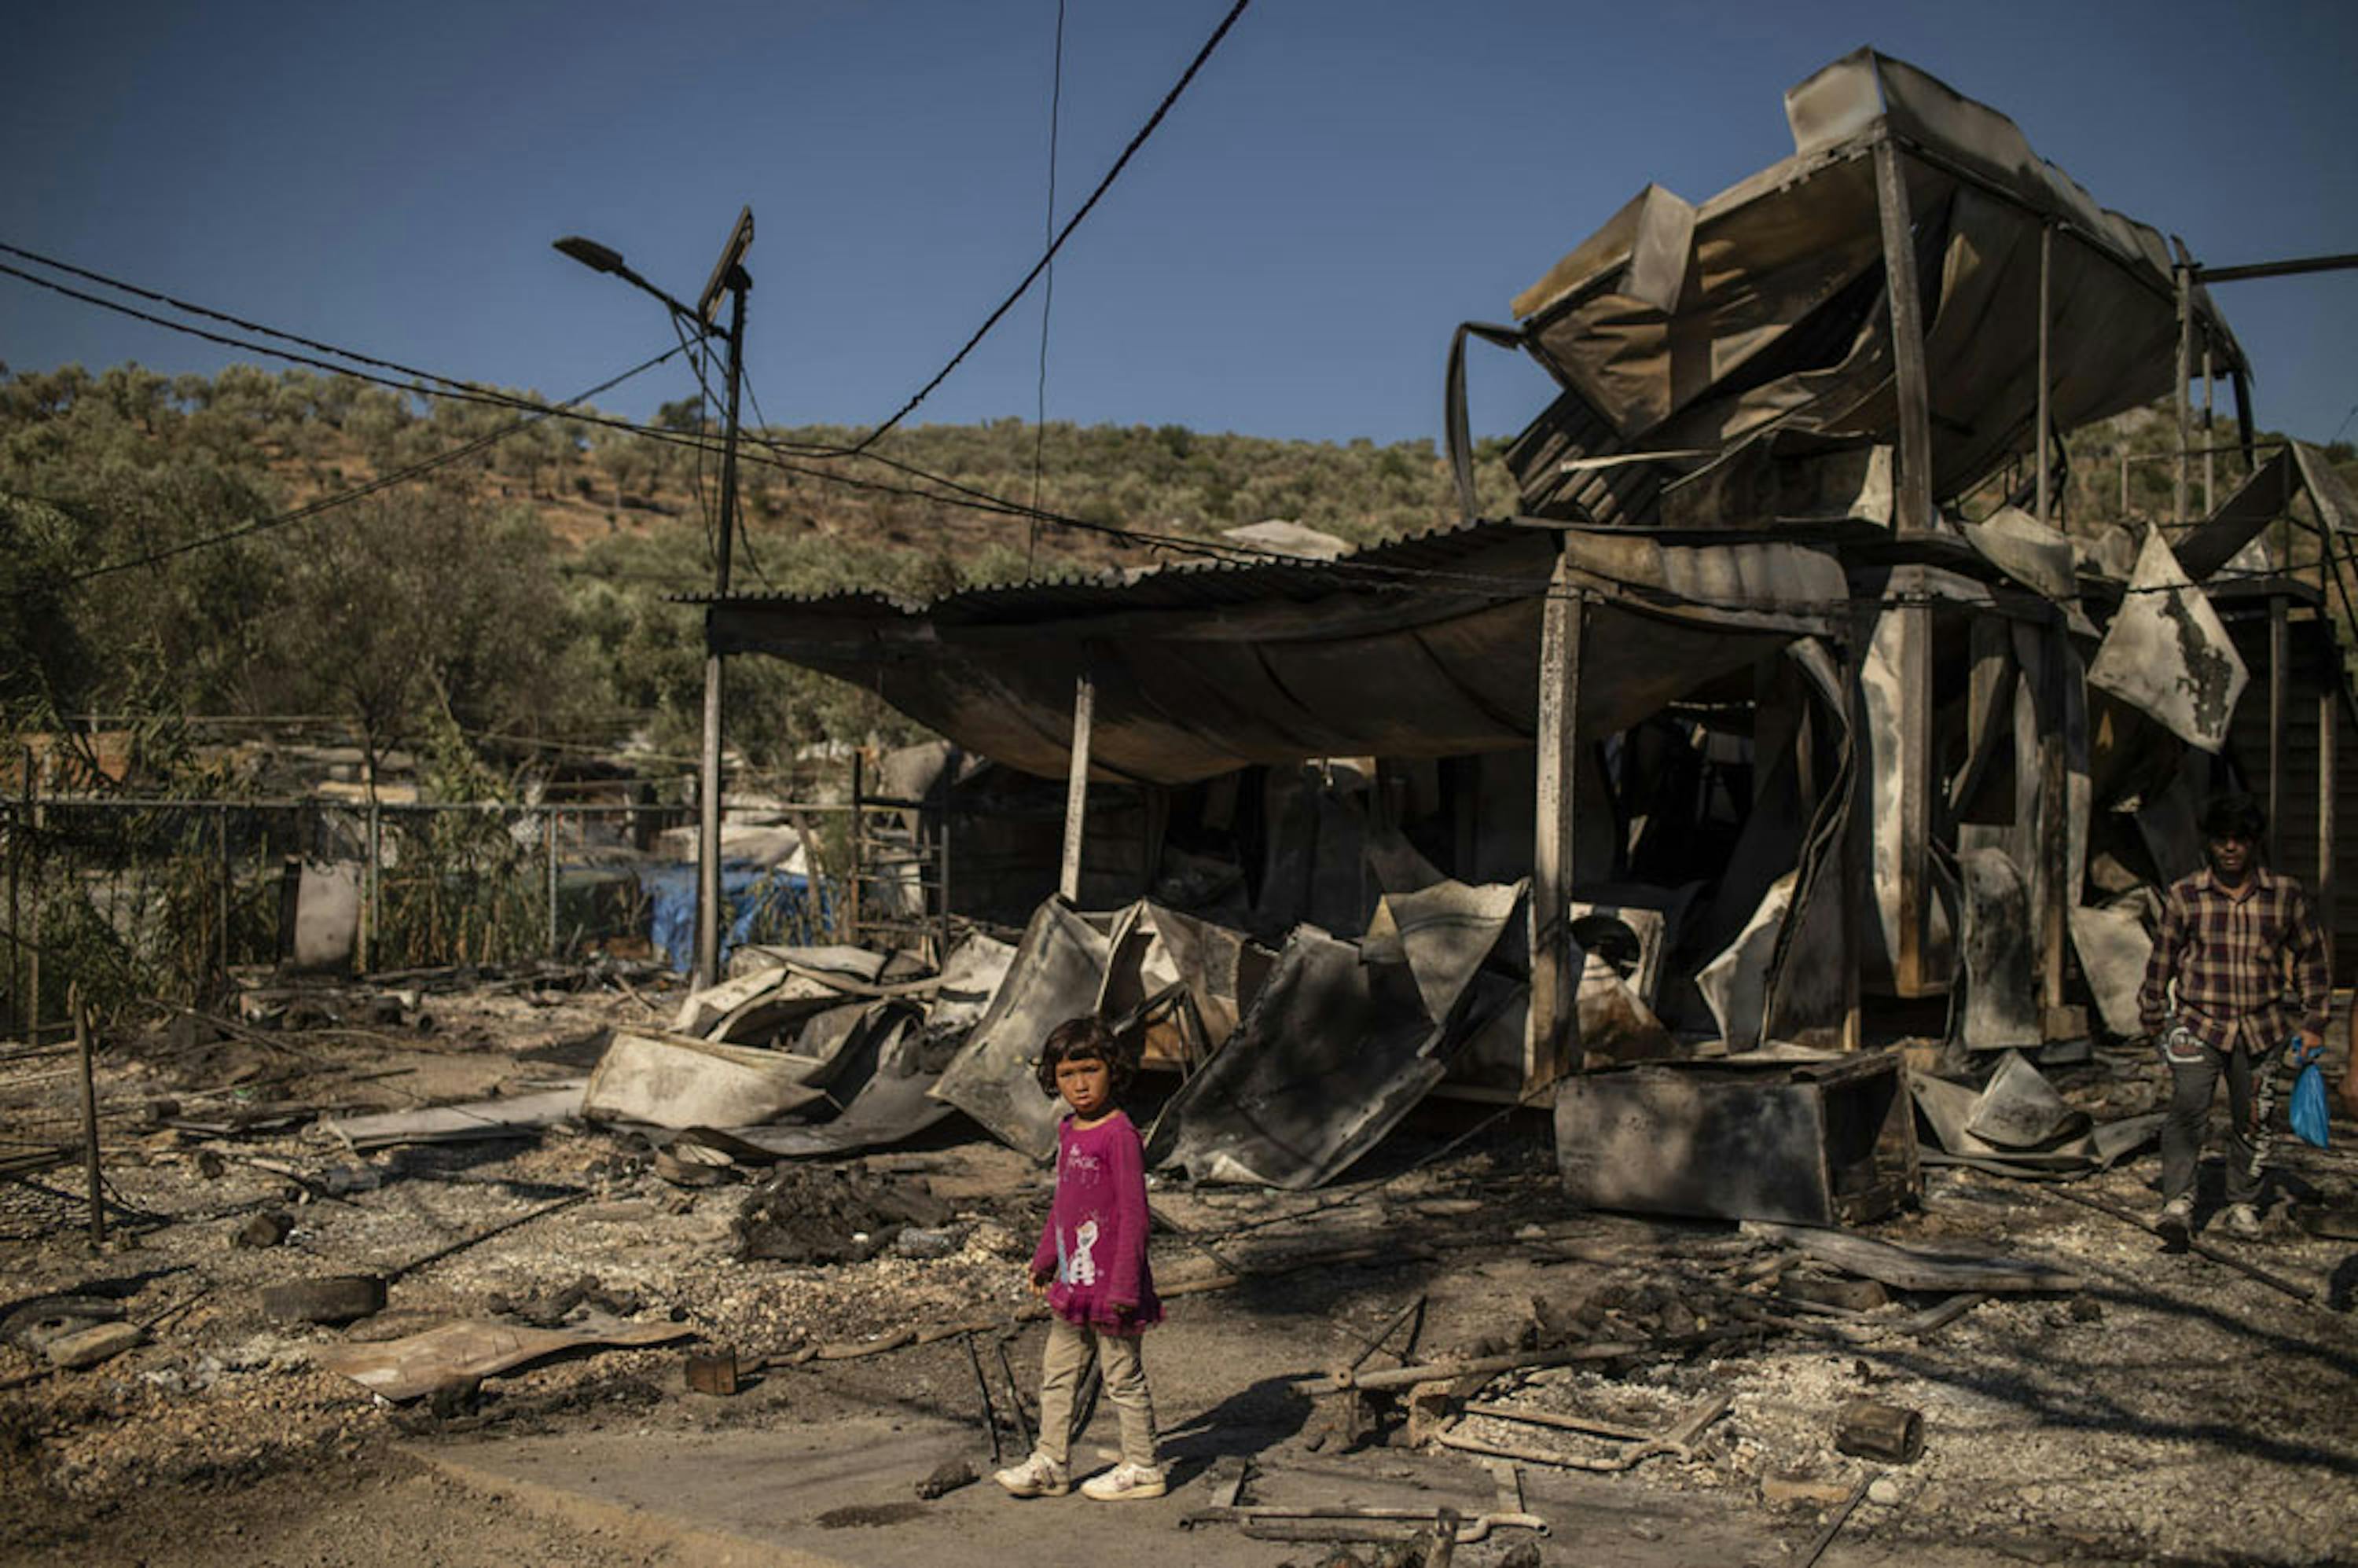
[{"x": 728, "y": 276}]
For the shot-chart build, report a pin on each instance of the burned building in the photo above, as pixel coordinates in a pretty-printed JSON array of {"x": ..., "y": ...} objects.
[{"x": 1774, "y": 713}]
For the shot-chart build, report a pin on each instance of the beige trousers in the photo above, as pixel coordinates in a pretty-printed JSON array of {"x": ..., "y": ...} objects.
[{"x": 1070, "y": 1347}]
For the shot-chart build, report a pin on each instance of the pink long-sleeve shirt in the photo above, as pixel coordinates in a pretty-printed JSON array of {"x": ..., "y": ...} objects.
[{"x": 1094, "y": 1240}]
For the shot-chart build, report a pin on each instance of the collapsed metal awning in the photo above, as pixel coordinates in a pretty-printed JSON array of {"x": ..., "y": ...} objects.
[
  {"x": 1426, "y": 647},
  {"x": 1748, "y": 341}
]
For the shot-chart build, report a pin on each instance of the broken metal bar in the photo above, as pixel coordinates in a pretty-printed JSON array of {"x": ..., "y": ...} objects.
[
  {"x": 439, "y": 1253},
  {"x": 1677, "y": 1440},
  {"x": 1471, "y": 1528},
  {"x": 1015, "y": 1399},
  {"x": 1415, "y": 1309},
  {"x": 1579, "y": 1423},
  {"x": 2292, "y": 1288},
  {"x": 982, "y": 1386},
  {"x": 1449, "y": 1371},
  {"x": 2298, "y": 265},
  {"x": 1833, "y": 1526}
]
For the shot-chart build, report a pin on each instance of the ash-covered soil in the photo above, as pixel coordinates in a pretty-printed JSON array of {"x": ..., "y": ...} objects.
[{"x": 2171, "y": 1410}]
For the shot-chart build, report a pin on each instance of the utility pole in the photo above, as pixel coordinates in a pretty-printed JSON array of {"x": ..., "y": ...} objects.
[
  {"x": 730, "y": 274},
  {"x": 730, "y": 278}
]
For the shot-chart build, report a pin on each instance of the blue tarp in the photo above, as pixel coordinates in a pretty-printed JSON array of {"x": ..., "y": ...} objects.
[{"x": 752, "y": 898}]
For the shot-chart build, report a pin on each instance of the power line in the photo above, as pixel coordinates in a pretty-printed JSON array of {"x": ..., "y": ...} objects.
[
  {"x": 1057, "y": 244},
  {"x": 964, "y": 496},
  {"x": 384, "y": 481},
  {"x": 132, "y": 288},
  {"x": 450, "y": 387}
]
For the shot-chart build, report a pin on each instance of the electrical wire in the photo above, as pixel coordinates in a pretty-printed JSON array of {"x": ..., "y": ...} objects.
[
  {"x": 448, "y": 388},
  {"x": 1047, "y": 290},
  {"x": 211, "y": 315},
  {"x": 781, "y": 453},
  {"x": 1057, "y": 243}
]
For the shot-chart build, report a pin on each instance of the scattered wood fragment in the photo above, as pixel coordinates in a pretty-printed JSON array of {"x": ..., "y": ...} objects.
[
  {"x": 854, "y": 1349},
  {"x": 1908, "y": 1269}
]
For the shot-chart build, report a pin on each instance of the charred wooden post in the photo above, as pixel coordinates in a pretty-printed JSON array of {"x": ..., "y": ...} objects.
[
  {"x": 2046, "y": 321},
  {"x": 1555, "y": 981},
  {"x": 369, "y": 906},
  {"x": 2210, "y": 446},
  {"x": 89, "y": 1117},
  {"x": 550, "y": 825},
  {"x": 2054, "y": 820},
  {"x": 1913, "y": 657},
  {"x": 1913, "y": 385},
  {"x": 2328, "y": 716},
  {"x": 852, "y": 853},
  {"x": 228, "y": 890},
  {"x": 1856, "y": 844},
  {"x": 1077, "y": 787},
  {"x": 32, "y": 926},
  {"x": 2279, "y": 710},
  {"x": 2177, "y": 512}
]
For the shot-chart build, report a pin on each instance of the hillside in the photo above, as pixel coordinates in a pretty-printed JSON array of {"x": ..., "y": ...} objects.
[{"x": 157, "y": 560}]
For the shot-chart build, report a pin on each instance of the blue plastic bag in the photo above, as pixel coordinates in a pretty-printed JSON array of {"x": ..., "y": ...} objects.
[{"x": 2309, "y": 1113}]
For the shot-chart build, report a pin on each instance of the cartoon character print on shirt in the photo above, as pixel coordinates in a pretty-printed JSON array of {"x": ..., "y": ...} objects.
[
  {"x": 1084, "y": 1264},
  {"x": 1080, "y": 1265}
]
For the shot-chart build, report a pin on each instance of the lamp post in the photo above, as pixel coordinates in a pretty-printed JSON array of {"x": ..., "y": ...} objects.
[{"x": 728, "y": 276}]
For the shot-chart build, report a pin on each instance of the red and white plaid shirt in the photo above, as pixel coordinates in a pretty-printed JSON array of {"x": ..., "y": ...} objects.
[{"x": 2229, "y": 954}]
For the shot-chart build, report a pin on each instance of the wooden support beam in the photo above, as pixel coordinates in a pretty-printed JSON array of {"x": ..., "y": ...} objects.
[
  {"x": 2046, "y": 320},
  {"x": 1856, "y": 844},
  {"x": 83, "y": 1046},
  {"x": 2329, "y": 714},
  {"x": 1989, "y": 709},
  {"x": 2178, "y": 511},
  {"x": 2280, "y": 710},
  {"x": 2210, "y": 447},
  {"x": 854, "y": 855},
  {"x": 1556, "y": 982},
  {"x": 2054, "y": 815},
  {"x": 1077, "y": 787},
  {"x": 1914, "y": 661},
  {"x": 1912, "y": 386}
]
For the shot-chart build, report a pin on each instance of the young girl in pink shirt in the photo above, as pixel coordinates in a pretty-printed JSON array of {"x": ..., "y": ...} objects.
[{"x": 1091, "y": 1265}]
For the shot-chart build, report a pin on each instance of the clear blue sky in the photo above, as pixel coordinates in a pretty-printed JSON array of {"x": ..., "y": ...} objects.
[{"x": 1344, "y": 182}]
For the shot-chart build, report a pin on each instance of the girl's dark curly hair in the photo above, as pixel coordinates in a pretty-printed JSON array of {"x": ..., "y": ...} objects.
[{"x": 1084, "y": 1039}]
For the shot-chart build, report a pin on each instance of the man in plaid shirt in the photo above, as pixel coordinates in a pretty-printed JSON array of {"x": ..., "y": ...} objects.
[{"x": 2231, "y": 936}]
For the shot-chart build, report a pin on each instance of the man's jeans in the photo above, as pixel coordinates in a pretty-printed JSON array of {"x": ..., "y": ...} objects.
[{"x": 2194, "y": 1079}]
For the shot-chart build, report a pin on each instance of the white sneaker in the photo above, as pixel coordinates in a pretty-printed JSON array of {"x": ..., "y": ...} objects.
[
  {"x": 1038, "y": 1476},
  {"x": 1124, "y": 1483},
  {"x": 2241, "y": 1220}
]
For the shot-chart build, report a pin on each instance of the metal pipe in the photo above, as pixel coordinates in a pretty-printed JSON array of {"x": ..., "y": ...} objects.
[
  {"x": 707, "y": 838},
  {"x": 2276, "y": 269}
]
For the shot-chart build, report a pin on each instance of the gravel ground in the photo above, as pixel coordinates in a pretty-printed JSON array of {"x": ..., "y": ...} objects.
[{"x": 2172, "y": 1410}]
